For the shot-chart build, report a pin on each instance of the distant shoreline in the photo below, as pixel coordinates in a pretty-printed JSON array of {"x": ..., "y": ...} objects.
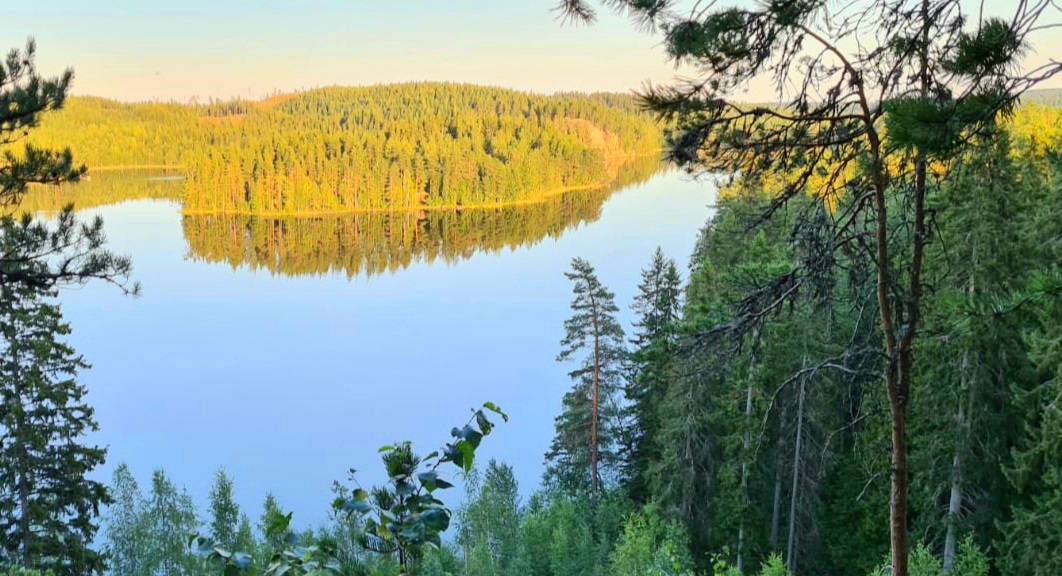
[{"x": 538, "y": 198}]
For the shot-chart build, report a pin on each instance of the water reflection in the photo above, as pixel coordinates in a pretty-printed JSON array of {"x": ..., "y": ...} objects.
[
  {"x": 105, "y": 188},
  {"x": 367, "y": 244},
  {"x": 363, "y": 244}
]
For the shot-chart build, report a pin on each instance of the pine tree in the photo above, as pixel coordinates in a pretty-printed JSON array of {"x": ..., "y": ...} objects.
[
  {"x": 49, "y": 506},
  {"x": 657, "y": 305},
  {"x": 224, "y": 512},
  {"x": 126, "y": 541},
  {"x": 583, "y": 449},
  {"x": 32, "y": 253},
  {"x": 874, "y": 116}
]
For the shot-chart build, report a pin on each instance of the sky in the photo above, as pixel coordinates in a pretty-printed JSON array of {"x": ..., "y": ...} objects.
[{"x": 175, "y": 50}]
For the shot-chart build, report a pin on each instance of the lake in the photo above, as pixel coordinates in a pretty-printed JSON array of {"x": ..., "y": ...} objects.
[{"x": 276, "y": 350}]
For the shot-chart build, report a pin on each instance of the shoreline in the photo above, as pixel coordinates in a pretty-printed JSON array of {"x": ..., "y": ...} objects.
[{"x": 537, "y": 199}]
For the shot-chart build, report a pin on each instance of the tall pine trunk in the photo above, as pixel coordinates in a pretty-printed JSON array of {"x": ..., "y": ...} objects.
[{"x": 790, "y": 556}]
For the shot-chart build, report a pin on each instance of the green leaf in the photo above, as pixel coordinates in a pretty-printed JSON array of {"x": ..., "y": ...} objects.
[
  {"x": 470, "y": 435},
  {"x": 485, "y": 426},
  {"x": 442, "y": 484},
  {"x": 428, "y": 480},
  {"x": 436, "y": 519},
  {"x": 494, "y": 408},
  {"x": 404, "y": 489},
  {"x": 358, "y": 506},
  {"x": 454, "y": 454},
  {"x": 468, "y": 454},
  {"x": 434, "y": 540}
]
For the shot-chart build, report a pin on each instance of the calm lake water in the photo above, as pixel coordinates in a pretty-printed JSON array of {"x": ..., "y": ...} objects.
[{"x": 289, "y": 374}]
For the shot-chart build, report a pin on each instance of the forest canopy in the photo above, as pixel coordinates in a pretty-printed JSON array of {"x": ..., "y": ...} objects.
[{"x": 398, "y": 146}]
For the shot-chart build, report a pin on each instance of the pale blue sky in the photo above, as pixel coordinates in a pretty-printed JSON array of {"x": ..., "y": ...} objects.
[
  {"x": 142, "y": 49},
  {"x": 146, "y": 49}
]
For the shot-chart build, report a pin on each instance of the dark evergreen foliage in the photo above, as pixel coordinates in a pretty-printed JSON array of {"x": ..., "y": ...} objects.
[
  {"x": 583, "y": 455},
  {"x": 48, "y": 504}
]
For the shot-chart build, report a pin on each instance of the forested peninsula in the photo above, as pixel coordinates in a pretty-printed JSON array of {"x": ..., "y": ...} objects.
[{"x": 386, "y": 147}]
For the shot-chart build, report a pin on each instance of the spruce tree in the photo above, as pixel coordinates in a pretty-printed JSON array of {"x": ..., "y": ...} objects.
[
  {"x": 48, "y": 507},
  {"x": 1032, "y": 535},
  {"x": 967, "y": 420},
  {"x": 583, "y": 450},
  {"x": 680, "y": 480},
  {"x": 658, "y": 305}
]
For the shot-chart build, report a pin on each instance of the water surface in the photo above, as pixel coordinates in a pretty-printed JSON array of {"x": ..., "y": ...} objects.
[{"x": 289, "y": 376}]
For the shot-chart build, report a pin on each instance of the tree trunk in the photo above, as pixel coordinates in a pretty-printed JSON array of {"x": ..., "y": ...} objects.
[
  {"x": 776, "y": 513},
  {"x": 898, "y": 378},
  {"x": 954, "y": 505},
  {"x": 779, "y": 465},
  {"x": 962, "y": 424},
  {"x": 898, "y": 500},
  {"x": 746, "y": 441},
  {"x": 22, "y": 463},
  {"x": 24, "y": 520},
  {"x": 594, "y": 413},
  {"x": 790, "y": 556}
]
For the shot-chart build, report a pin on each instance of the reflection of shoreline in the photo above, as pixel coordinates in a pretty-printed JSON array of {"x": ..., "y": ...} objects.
[
  {"x": 105, "y": 188},
  {"x": 537, "y": 199},
  {"x": 370, "y": 243},
  {"x": 107, "y": 185},
  {"x": 616, "y": 167}
]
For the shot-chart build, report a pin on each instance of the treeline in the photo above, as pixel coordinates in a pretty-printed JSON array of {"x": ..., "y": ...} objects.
[
  {"x": 399, "y": 146},
  {"x": 379, "y": 242}
]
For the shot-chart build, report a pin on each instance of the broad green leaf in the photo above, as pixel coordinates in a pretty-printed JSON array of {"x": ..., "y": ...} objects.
[{"x": 494, "y": 408}]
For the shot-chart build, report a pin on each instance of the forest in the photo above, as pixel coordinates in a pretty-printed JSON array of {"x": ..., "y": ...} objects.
[
  {"x": 856, "y": 372},
  {"x": 388, "y": 147},
  {"x": 764, "y": 459},
  {"x": 371, "y": 243}
]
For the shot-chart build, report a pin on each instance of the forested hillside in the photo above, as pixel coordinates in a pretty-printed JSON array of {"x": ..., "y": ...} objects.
[{"x": 400, "y": 146}]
